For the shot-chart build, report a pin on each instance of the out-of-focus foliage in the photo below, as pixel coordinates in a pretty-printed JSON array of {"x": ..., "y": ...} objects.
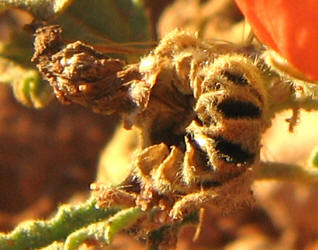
[
  {"x": 39, "y": 8},
  {"x": 16, "y": 69},
  {"x": 103, "y": 23},
  {"x": 26, "y": 84},
  {"x": 313, "y": 159},
  {"x": 91, "y": 21}
]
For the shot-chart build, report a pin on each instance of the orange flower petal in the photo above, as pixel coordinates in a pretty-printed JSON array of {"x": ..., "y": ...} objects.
[{"x": 288, "y": 26}]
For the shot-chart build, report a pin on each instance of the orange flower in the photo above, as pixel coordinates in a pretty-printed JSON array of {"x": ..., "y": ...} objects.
[{"x": 288, "y": 26}]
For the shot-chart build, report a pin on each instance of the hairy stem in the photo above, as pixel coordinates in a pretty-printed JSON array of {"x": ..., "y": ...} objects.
[
  {"x": 36, "y": 234},
  {"x": 104, "y": 231},
  {"x": 290, "y": 95}
]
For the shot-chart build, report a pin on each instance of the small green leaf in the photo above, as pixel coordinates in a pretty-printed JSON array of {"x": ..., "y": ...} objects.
[
  {"x": 28, "y": 88},
  {"x": 17, "y": 70},
  {"x": 314, "y": 158},
  {"x": 31, "y": 90}
]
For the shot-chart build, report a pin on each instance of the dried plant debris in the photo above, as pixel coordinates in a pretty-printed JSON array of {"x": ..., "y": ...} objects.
[
  {"x": 200, "y": 108},
  {"x": 106, "y": 24}
]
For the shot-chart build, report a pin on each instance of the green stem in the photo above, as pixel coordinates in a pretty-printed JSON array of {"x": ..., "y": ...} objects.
[
  {"x": 286, "y": 172},
  {"x": 36, "y": 234},
  {"x": 104, "y": 231}
]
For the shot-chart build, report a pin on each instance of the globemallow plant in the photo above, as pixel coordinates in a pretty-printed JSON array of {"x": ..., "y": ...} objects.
[{"x": 199, "y": 108}]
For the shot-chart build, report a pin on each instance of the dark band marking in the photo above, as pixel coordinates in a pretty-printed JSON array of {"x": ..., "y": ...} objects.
[
  {"x": 231, "y": 152},
  {"x": 208, "y": 184},
  {"x": 236, "y": 78},
  {"x": 240, "y": 79},
  {"x": 239, "y": 109}
]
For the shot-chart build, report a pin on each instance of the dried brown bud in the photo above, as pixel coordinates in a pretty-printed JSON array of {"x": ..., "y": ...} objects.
[{"x": 78, "y": 73}]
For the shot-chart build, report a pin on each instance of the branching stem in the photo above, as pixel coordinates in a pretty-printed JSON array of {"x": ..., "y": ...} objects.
[{"x": 36, "y": 234}]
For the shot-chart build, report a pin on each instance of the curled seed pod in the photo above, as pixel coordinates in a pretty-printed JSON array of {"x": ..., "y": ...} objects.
[
  {"x": 201, "y": 126},
  {"x": 199, "y": 108}
]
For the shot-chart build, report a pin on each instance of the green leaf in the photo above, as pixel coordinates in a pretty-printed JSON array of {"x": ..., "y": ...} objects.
[
  {"x": 19, "y": 49},
  {"x": 100, "y": 21},
  {"x": 28, "y": 88},
  {"x": 17, "y": 70},
  {"x": 314, "y": 158},
  {"x": 43, "y": 9},
  {"x": 93, "y": 21}
]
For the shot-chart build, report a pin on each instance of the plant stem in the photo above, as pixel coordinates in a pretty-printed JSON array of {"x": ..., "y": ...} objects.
[
  {"x": 36, "y": 234},
  {"x": 286, "y": 172},
  {"x": 104, "y": 231}
]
